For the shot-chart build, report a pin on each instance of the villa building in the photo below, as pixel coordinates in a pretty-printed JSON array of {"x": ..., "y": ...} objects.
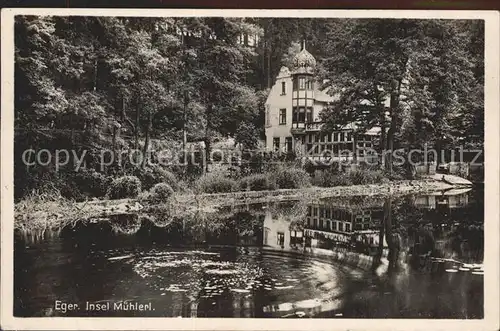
[{"x": 293, "y": 116}]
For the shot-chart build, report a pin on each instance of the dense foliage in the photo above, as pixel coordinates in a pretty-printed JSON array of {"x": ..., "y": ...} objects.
[{"x": 88, "y": 84}]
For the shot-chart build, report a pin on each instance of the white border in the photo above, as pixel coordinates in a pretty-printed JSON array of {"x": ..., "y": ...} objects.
[{"x": 492, "y": 102}]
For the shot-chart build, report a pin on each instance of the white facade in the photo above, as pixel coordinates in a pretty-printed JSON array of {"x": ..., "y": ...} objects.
[{"x": 293, "y": 120}]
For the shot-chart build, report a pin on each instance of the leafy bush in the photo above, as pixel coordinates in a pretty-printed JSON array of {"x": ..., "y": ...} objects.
[
  {"x": 331, "y": 177},
  {"x": 91, "y": 182},
  {"x": 216, "y": 183},
  {"x": 124, "y": 187},
  {"x": 160, "y": 192},
  {"x": 258, "y": 182},
  {"x": 291, "y": 178},
  {"x": 360, "y": 177},
  {"x": 310, "y": 167},
  {"x": 153, "y": 175}
]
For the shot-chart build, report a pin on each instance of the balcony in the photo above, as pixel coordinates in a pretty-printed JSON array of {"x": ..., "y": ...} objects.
[{"x": 314, "y": 126}]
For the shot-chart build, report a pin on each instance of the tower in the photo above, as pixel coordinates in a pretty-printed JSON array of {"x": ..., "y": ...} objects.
[{"x": 302, "y": 74}]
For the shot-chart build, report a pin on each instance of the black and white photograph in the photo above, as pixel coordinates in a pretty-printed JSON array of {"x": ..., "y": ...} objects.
[{"x": 248, "y": 166}]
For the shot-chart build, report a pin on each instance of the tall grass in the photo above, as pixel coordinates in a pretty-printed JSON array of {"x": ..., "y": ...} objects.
[{"x": 40, "y": 211}]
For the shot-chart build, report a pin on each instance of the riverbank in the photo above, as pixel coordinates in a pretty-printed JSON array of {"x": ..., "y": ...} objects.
[{"x": 40, "y": 213}]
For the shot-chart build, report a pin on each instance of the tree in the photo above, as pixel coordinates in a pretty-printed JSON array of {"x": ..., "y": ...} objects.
[
  {"x": 245, "y": 135},
  {"x": 398, "y": 68}
]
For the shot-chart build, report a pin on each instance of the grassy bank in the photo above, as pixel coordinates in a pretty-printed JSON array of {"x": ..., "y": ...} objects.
[{"x": 44, "y": 212}]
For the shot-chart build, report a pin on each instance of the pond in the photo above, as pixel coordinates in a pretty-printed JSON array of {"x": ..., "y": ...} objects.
[{"x": 302, "y": 259}]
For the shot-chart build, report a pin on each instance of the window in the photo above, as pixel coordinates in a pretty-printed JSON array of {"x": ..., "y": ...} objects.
[
  {"x": 283, "y": 88},
  {"x": 336, "y": 136},
  {"x": 276, "y": 144},
  {"x": 302, "y": 83},
  {"x": 299, "y": 115},
  {"x": 309, "y": 85},
  {"x": 288, "y": 143},
  {"x": 268, "y": 116},
  {"x": 341, "y": 227},
  {"x": 349, "y": 136},
  {"x": 329, "y": 136},
  {"x": 321, "y": 224},
  {"x": 281, "y": 239},
  {"x": 342, "y": 136},
  {"x": 309, "y": 115},
  {"x": 348, "y": 228},
  {"x": 282, "y": 116},
  {"x": 334, "y": 224},
  {"x": 315, "y": 211}
]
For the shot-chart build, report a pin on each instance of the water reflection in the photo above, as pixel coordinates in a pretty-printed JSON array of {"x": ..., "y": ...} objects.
[{"x": 420, "y": 256}]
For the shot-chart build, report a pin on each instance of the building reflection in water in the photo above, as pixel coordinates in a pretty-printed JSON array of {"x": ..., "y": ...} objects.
[{"x": 334, "y": 226}]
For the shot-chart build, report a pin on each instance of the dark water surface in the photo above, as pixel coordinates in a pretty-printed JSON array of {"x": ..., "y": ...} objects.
[{"x": 305, "y": 259}]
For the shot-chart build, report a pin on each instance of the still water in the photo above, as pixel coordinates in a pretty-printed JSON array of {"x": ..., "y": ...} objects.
[{"x": 302, "y": 259}]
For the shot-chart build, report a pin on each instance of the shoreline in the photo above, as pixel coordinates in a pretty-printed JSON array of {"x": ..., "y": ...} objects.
[{"x": 60, "y": 213}]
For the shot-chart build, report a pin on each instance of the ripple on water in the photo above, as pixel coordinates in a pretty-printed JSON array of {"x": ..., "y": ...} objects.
[{"x": 206, "y": 277}]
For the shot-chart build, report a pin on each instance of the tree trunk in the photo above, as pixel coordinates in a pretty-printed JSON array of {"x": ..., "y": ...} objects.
[
  {"x": 207, "y": 136},
  {"x": 145, "y": 155},
  {"x": 382, "y": 146},
  {"x": 95, "y": 75},
  {"x": 394, "y": 106},
  {"x": 122, "y": 110},
  {"x": 184, "y": 133},
  {"x": 355, "y": 147},
  {"x": 115, "y": 130},
  {"x": 390, "y": 146},
  {"x": 137, "y": 117},
  {"x": 269, "y": 66}
]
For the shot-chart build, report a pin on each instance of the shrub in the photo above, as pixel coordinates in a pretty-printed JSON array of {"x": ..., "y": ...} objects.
[
  {"x": 153, "y": 175},
  {"x": 160, "y": 192},
  {"x": 258, "y": 182},
  {"x": 310, "y": 167},
  {"x": 332, "y": 177},
  {"x": 216, "y": 183},
  {"x": 290, "y": 178},
  {"x": 360, "y": 177},
  {"x": 91, "y": 182},
  {"x": 124, "y": 187}
]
